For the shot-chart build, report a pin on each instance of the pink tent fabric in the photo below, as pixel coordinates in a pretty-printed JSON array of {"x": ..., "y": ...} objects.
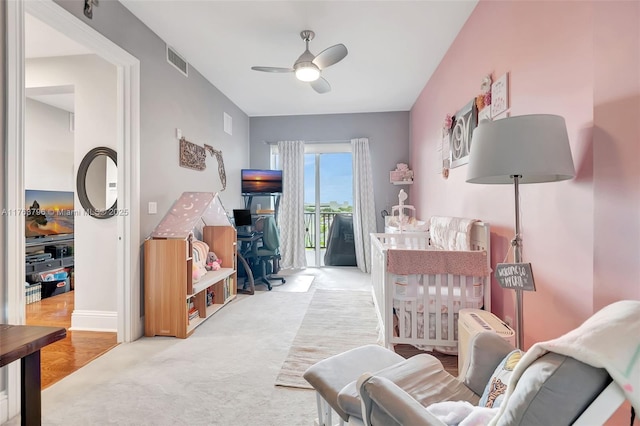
[{"x": 191, "y": 210}]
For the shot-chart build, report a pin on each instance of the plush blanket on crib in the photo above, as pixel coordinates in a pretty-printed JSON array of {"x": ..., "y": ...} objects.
[
  {"x": 610, "y": 339},
  {"x": 451, "y": 233},
  {"x": 406, "y": 262}
]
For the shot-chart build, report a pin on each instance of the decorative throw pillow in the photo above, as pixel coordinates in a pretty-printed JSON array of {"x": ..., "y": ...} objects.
[
  {"x": 200, "y": 252},
  {"x": 497, "y": 386}
]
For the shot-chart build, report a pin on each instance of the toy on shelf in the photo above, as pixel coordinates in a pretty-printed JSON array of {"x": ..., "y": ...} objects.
[
  {"x": 401, "y": 174},
  {"x": 213, "y": 262}
]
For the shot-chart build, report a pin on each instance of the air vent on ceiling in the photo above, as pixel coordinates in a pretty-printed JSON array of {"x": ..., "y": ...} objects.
[{"x": 177, "y": 61}]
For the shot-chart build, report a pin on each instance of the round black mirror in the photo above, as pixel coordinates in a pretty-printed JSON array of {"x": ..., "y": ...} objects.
[{"x": 97, "y": 182}]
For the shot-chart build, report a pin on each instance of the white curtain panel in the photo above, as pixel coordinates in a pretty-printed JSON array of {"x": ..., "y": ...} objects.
[
  {"x": 291, "y": 214},
  {"x": 364, "y": 215}
]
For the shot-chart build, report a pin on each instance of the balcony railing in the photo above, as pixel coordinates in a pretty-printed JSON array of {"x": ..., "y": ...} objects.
[{"x": 326, "y": 219}]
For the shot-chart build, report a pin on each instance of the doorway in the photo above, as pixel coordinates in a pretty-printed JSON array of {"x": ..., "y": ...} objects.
[
  {"x": 126, "y": 319},
  {"x": 328, "y": 192}
]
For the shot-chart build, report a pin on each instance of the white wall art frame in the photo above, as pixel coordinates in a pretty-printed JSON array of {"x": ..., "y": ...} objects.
[
  {"x": 500, "y": 95},
  {"x": 465, "y": 123}
]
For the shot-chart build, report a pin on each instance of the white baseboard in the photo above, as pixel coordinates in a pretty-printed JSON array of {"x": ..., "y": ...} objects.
[
  {"x": 94, "y": 321},
  {"x": 7, "y": 419},
  {"x": 4, "y": 408}
]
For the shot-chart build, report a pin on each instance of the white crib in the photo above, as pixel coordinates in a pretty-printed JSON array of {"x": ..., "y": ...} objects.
[{"x": 414, "y": 307}]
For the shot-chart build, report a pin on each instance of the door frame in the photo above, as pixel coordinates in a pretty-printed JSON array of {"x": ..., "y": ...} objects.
[{"x": 130, "y": 319}]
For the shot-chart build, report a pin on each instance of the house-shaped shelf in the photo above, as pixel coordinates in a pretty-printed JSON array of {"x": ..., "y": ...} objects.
[
  {"x": 178, "y": 297},
  {"x": 192, "y": 210}
]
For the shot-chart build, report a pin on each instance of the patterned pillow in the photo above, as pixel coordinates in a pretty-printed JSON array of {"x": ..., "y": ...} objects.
[
  {"x": 200, "y": 252},
  {"x": 497, "y": 386}
]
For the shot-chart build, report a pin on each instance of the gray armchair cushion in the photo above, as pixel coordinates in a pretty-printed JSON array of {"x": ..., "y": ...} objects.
[
  {"x": 389, "y": 405},
  {"x": 553, "y": 390},
  {"x": 487, "y": 350},
  {"x": 330, "y": 375},
  {"x": 421, "y": 376}
]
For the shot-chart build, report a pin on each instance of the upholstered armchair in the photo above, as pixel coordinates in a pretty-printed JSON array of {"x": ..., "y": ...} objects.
[
  {"x": 374, "y": 386},
  {"x": 554, "y": 390}
]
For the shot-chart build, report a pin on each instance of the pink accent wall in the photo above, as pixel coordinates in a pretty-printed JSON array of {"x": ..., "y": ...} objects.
[
  {"x": 616, "y": 149},
  {"x": 580, "y": 60}
]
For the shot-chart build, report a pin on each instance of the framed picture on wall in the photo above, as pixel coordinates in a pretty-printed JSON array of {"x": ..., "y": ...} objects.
[
  {"x": 466, "y": 121},
  {"x": 500, "y": 95}
]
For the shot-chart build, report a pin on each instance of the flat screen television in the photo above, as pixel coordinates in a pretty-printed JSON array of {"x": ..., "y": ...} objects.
[
  {"x": 49, "y": 215},
  {"x": 255, "y": 181}
]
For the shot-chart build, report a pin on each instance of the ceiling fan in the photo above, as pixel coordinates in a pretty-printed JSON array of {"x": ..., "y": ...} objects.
[{"x": 309, "y": 66}]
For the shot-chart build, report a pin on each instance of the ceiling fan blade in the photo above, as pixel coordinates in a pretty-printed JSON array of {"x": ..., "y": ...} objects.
[
  {"x": 321, "y": 85},
  {"x": 330, "y": 56},
  {"x": 272, "y": 69}
]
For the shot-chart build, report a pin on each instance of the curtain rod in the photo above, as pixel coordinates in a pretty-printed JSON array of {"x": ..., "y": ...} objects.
[{"x": 312, "y": 142}]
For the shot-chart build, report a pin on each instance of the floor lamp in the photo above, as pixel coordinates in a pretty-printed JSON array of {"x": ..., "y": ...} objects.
[{"x": 519, "y": 150}]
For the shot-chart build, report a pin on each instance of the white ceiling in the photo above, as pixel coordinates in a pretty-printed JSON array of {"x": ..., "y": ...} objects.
[
  {"x": 394, "y": 47},
  {"x": 61, "y": 97},
  {"x": 42, "y": 41}
]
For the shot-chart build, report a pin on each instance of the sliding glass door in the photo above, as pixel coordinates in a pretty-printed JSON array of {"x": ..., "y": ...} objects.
[{"x": 328, "y": 190}]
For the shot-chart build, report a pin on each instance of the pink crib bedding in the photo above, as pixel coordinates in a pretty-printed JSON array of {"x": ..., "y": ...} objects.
[{"x": 406, "y": 262}]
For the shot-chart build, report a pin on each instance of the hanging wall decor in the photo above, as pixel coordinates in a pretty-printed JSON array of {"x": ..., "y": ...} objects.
[
  {"x": 500, "y": 95},
  {"x": 457, "y": 130},
  {"x": 464, "y": 124},
  {"x": 444, "y": 159},
  {"x": 194, "y": 157},
  {"x": 221, "y": 172},
  {"x": 88, "y": 8},
  {"x": 483, "y": 100}
]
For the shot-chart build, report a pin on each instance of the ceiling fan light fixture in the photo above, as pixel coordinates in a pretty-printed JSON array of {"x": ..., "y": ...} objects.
[
  {"x": 307, "y": 72},
  {"x": 308, "y": 66}
]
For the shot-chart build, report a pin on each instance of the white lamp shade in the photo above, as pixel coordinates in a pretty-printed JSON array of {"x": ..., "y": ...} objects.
[{"x": 535, "y": 147}]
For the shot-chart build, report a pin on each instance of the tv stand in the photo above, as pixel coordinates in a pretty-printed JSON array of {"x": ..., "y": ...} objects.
[
  {"x": 49, "y": 239},
  {"x": 38, "y": 261}
]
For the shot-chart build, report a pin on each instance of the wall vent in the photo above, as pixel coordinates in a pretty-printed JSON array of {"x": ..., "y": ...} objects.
[{"x": 177, "y": 61}]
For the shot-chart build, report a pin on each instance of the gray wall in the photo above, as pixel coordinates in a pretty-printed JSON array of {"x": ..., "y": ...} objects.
[
  {"x": 169, "y": 100},
  {"x": 388, "y": 134}
]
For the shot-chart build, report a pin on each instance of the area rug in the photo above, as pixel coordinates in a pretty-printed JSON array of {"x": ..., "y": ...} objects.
[{"x": 336, "y": 321}]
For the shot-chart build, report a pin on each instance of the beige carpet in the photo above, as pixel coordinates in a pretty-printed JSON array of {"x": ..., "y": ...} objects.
[
  {"x": 336, "y": 320},
  {"x": 298, "y": 283}
]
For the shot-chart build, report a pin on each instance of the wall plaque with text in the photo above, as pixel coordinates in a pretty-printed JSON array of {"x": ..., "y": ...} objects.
[{"x": 516, "y": 276}]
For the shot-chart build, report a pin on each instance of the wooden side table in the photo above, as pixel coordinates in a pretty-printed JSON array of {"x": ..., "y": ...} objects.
[{"x": 24, "y": 342}]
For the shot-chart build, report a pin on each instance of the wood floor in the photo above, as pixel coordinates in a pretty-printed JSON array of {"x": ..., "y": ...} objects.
[
  {"x": 63, "y": 357},
  {"x": 449, "y": 362}
]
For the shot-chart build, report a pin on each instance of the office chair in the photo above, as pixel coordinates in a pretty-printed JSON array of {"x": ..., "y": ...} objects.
[{"x": 267, "y": 256}]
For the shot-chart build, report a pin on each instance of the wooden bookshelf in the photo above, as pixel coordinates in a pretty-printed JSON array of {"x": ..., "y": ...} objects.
[{"x": 170, "y": 292}]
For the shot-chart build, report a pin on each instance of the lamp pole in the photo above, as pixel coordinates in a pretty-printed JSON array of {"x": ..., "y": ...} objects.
[{"x": 516, "y": 243}]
